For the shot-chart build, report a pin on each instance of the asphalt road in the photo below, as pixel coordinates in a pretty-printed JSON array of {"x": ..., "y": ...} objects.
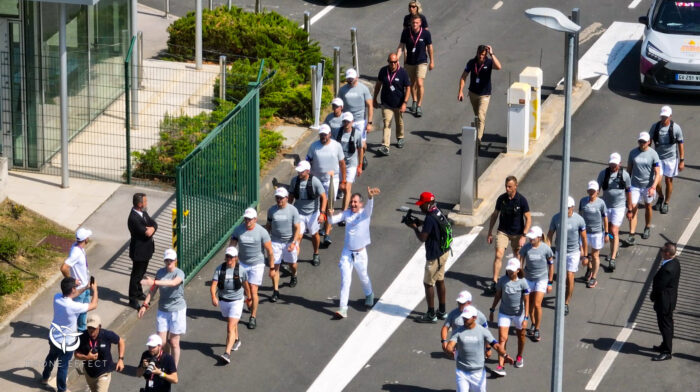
[{"x": 296, "y": 338}]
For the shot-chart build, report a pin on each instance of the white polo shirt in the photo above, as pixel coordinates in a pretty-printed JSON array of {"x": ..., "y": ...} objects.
[{"x": 77, "y": 261}]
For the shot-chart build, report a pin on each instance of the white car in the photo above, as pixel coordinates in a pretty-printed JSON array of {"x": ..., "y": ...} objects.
[{"x": 670, "y": 55}]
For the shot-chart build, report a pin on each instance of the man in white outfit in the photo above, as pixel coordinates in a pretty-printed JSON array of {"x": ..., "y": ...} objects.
[{"x": 354, "y": 254}]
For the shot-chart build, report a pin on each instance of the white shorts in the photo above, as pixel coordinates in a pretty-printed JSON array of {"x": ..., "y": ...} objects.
[
  {"x": 471, "y": 381},
  {"x": 572, "y": 261},
  {"x": 537, "y": 285},
  {"x": 309, "y": 223},
  {"x": 669, "y": 167},
  {"x": 615, "y": 215},
  {"x": 173, "y": 322},
  {"x": 231, "y": 309},
  {"x": 362, "y": 126},
  {"x": 507, "y": 321},
  {"x": 255, "y": 273},
  {"x": 281, "y": 254},
  {"x": 596, "y": 240},
  {"x": 350, "y": 173},
  {"x": 641, "y": 195}
]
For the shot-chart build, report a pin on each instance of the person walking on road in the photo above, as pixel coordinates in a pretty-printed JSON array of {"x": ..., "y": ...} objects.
[
  {"x": 157, "y": 367},
  {"x": 350, "y": 139},
  {"x": 514, "y": 294},
  {"x": 354, "y": 255},
  {"x": 327, "y": 159},
  {"x": 141, "y": 246},
  {"x": 63, "y": 335},
  {"x": 595, "y": 213},
  {"x": 467, "y": 345},
  {"x": 644, "y": 167},
  {"x": 668, "y": 143},
  {"x": 514, "y": 220},
  {"x": 479, "y": 68},
  {"x": 95, "y": 351},
  {"x": 539, "y": 275},
  {"x": 251, "y": 239},
  {"x": 436, "y": 255},
  {"x": 309, "y": 197},
  {"x": 334, "y": 119},
  {"x": 414, "y": 8},
  {"x": 394, "y": 83},
  {"x": 76, "y": 267},
  {"x": 454, "y": 321},
  {"x": 284, "y": 226},
  {"x": 576, "y": 245},
  {"x": 664, "y": 293},
  {"x": 616, "y": 184},
  {"x": 417, "y": 44},
  {"x": 227, "y": 293},
  {"x": 358, "y": 100},
  {"x": 171, "y": 319}
]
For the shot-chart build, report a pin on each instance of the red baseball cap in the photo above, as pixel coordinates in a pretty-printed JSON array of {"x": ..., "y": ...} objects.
[{"x": 424, "y": 198}]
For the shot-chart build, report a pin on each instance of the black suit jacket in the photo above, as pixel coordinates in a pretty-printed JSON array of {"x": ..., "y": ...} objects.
[
  {"x": 141, "y": 248},
  {"x": 664, "y": 291}
]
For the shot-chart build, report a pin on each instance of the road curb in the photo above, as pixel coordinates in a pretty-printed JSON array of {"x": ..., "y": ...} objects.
[{"x": 490, "y": 183}]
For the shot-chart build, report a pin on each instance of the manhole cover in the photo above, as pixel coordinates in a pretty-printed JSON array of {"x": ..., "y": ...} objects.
[{"x": 59, "y": 243}]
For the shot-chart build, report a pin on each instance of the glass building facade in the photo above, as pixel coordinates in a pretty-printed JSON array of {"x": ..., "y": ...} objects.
[{"x": 97, "y": 38}]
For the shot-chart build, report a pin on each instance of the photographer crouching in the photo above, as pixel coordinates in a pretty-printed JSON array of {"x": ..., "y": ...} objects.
[
  {"x": 157, "y": 367},
  {"x": 436, "y": 232}
]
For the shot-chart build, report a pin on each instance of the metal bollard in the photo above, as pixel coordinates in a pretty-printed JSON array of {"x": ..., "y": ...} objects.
[
  {"x": 222, "y": 78},
  {"x": 167, "y": 8},
  {"x": 313, "y": 97},
  {"x": 575, "y": 17},
  {"x": 468, "y": 195},
  {"x": 211, "y": 4},
  {"x": 140, "y": 58},
  {"x": 353, "y": 43},
  {"x": 198, "y": 34},
  {"x": 257, "y": 6},
  {"x": 229, "y": 4},
  {"x": 336, "y": 67},
  {"x": 307, "y": 24}
]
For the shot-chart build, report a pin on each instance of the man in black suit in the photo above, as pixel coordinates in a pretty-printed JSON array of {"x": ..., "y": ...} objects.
[
  {"x": 664, "y": 293},
  {"x": 141, "y": 246}
]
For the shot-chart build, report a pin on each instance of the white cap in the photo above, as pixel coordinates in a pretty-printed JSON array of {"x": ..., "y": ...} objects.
[
  {"x": 281, "y": 192},
  {"x": 593, "y": 185},
  {"x": 534, "y": 232},
  {"x": 644, "y": 135},
  {"x": 250, "y": 213},
  {"x": 82, "y": 234},
  {"x": 303, "y": 166},
  {"x": 666, "y": 111},
  {"x": 468, "y": 312},
  {"x": 337, "y": 102},
  {"x": 347, "y": 116},
  {"x": 154, "y": 340},
  {"x": 170, "y": 254},
  {"x": 513, "y": 264},
  {"x": 324, "y": 128},
  {"x": 570, "y": 202},
  {"x": 615, "y": 158},
  {"x": 350, "y": 73},
  {"x": 464, "y": 297},
  {"x": 232, "y": 251}
]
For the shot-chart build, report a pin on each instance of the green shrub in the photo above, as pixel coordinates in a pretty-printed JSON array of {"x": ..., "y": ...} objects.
[
  {"x": 8, "y": 249},
  {"x": 9, "y": 283},
  {"x": 16, "y": 210}
]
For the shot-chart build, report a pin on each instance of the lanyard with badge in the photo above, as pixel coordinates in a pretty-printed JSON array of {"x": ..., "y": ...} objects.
[
  {"x": 392, "y": 77},
  {"x": 415, "y": 41},
  {"x": 478, "y": 70},
  {"x": 157, "y": 360}
]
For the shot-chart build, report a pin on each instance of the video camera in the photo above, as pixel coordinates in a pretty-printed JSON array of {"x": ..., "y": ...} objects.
[{"x": 409, "y": 218}]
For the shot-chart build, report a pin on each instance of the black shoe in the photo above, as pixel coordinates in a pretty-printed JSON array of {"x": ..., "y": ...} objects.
[
  {"x": 646, "y": 233},
  {"x": 275, "y": 296},
  {"x": 365, "y": 162},
  {"x": 664, "y": 208},
  {"x": 611, "y": 265},
  {"x": 293, "y": 281},
  {"x": 327, "y": 240},
  {"x": 419, "y": 112},
  {"x": 383, "y": 150},
  {"x": 135, "y": 304},
  {"x": 659, "y": 204},
  {"x": 566, "y": 310},
  {"x": 427, "y": 318},
  {"x": 316, "y": 260},
  {"x": 400, "y": 143},
  {"x": 252, "y": 323},
  {"x": 441, "y": 315},
  {"x": 631, "y": 240},
  {"x": 491, "y": 288},
  {"x": 341, "y": 223},
  {"x": 662, "y": 357}
]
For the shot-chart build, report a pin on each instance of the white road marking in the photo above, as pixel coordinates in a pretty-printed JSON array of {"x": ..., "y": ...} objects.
[
  {"x": 497, "y": 5},
  {"x": 536, "y": 213},
  {"x": 608, "y": 51},
  {"x": 622, "y": 337},
  {"x": 404, "y": 294},
  {"x": 600, "y": 82},
  {"x": 590, "y": 32},
  {"x": 634, "y": 4},
  {"x": 321, "y": 14}
]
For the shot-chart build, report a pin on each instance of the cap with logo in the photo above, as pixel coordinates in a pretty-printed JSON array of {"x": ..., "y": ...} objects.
[
  {"x": 593, "y": 185},
  {"x": 82, "y": 234},
  {"x": 169, "y": 254},
  {"x": 281, "y": 192},
  {"x": 303, "y": 166},
  {"x": 615, "y": 158},
  {"x": 534, "y": 232},
  {"x": 337, "y": 102},
  {"x": 644, "y": 135},
  {"x": 154, "y": 340},
  {"x": 469, "y": 312},
  {"x": 93, "y": 321},
  {"x": 347, "y": 116},
  {"x": 425, "y": 197},
  {"x": 513, "y": 264},
  {"x": 464, "y": 297},
  {"x": 232, "y": 251},
  {"x": 324, "y": 129},
  {"x": 666, "y": 111},
  {"x": 350, "y": 73},
  {"x": 250, "y": 213}
]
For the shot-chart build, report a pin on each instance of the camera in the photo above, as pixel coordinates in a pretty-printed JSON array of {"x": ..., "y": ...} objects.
[
  {"x": 410, "y": 219},
  {"x": 93, "y": 350},
  {"x": 150, "y": 367}
]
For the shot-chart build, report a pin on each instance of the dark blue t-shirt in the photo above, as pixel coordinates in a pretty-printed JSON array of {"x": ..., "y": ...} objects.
[
  {"x": 512, "y": 213},
  {"x": 399, "y": 81},
  {"x": 165, "y": 363},
  {"x": 432, "y": 244},
  {"x": 103, "y": 344},
  {"x": 479, "y": 76},
  {"x": 422, "y": 39}
]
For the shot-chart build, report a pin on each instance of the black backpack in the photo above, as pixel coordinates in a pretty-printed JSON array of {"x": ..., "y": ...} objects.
[
  {"x": 351, "y": 143},
  {"x": 446, "y": 236},
  {"x": 619, "y": 179},
  {"x": 671, "y": 135},
  {"x": 222, "y": 276},
  {"x": 310, "y": 195}
]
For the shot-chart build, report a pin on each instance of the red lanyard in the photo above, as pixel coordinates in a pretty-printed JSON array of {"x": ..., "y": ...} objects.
[
  {"x": 478, "y": 70},
  {"x": 392, "y": 77},
  {"x": 415, "y": 41},
  {"x": 92, "y": 345}
]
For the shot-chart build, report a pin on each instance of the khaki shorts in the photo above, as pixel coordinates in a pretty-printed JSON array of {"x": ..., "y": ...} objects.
[
  {"x": 435, "y": 269},
  {"x": 417, "y": 71},
  {"x": 502, "y": 240}
]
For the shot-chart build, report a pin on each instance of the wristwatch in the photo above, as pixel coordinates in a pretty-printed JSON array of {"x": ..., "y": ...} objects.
[{"x": 369, "y": 122}]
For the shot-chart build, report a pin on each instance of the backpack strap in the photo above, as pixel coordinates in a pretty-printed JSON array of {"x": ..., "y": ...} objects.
[
  {"x": 671, "y": 134},
  {"x": 237, "y": 278},
  {"x": 606, "y": 179},
  {"x": 222, "y": 276}
]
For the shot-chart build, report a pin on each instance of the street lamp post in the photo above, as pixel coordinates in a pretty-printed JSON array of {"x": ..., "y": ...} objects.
[{"x": 555, "y": 20}]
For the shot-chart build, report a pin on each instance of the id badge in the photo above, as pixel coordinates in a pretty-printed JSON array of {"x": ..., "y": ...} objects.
[
  {"x": 392, "y": 87},
  {"x": 150, "y": 383},
  {"x": 414, "y": 50},
  {"x": 477, "y": 80}
]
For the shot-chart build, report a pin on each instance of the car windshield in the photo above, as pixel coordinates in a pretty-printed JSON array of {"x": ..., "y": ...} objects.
[{"x": 678, "y": 17}]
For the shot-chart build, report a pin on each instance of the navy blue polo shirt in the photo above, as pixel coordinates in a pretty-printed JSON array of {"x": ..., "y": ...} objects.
[
  {"x": 398, "y": 81},
  {"x": 103, "y": 344},
  {"x": 512, "y": 213},
  {"x": 418, "y": 41},
  {"x": 479, "y": 76}
]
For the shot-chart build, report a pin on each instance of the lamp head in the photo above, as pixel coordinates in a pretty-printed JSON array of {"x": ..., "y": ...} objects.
[{"x": 553, "y": 19}]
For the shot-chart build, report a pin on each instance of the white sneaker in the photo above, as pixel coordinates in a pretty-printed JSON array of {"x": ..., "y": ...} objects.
[
  {"x": 519, "y": 362},
  {"x": 341, "y": 313},
  {"x": 500, "y": 370},
  {"x": 236, "y": 345}
]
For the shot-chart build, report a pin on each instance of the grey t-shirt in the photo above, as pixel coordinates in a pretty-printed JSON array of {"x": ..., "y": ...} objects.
[
  {"x": 455, "y": 321},
  {"x": 664, "y": 148},
  {"x": 304, "y": 205},
  {"x": 229, "y": 293},
  {"x": 354, "y": 99},
  {"x": 574, "y": 225},
  {"x": 470, "y": 347},
  {"x": 324, "y": 158},
  {"x": 250, "y": 244},
  {"x": 334, "y": 122},
  {"x": 616, "y": 194},
  {"x": 593, "y": 213},
  {"x": 644, "y": 164},
  {"x": 351, "y": 160},
  {"x": 537, "y": 261},
  {"x": 282, "y": 222},
  {"x": 171, "y": 299},
  {"x": 512, "y": 295}
]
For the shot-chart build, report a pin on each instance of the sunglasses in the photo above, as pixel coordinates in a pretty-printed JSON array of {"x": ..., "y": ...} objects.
[
  {"x": 392, "y": 62},
  {"x": 412, "y": 6}
]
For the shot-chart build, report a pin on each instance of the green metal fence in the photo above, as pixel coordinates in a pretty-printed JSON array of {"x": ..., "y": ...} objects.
[{"x": 217, "y": 182}]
